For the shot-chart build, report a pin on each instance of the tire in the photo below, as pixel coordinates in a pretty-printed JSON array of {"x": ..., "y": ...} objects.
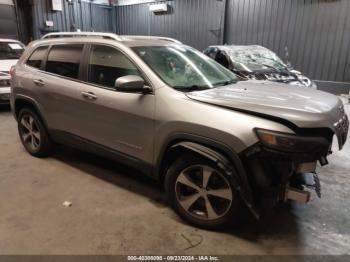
[
  {"x": 33, "y": 133},
  {"x": 196, "y": 203}
]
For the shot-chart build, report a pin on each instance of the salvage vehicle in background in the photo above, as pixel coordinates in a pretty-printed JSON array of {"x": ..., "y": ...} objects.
[
  {"x": 10, "y": 51},
  {"x": 178, "y": 116},
  {"x": 257, "y": 63}
]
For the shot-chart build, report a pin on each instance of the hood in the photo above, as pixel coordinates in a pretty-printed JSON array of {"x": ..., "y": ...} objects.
[
  {"x": 5, "y": 65},
  {"x": 301, "y": 107}
]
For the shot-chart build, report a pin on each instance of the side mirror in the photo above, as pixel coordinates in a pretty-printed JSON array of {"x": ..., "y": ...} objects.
[{"x": 131, "y": 83}]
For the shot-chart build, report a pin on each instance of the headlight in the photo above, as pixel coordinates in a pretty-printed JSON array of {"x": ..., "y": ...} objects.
[
  {"x": 5, "y": 82},
  {"x": 292, "y": 143}
]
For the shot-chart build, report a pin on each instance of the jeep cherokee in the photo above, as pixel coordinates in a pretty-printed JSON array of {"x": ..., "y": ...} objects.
[{"x": 178, "y": 116}]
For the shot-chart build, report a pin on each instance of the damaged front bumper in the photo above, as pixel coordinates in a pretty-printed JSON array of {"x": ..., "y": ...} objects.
[{"x": 282, "y": 166}]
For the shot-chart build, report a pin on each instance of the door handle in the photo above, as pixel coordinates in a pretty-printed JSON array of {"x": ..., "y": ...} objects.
[
  {"x": 39, "y": 82},
  {"x": 89, "y": 95}
]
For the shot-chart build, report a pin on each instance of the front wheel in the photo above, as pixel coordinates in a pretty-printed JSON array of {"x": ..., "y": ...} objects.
[{"x": 201, "y": 192}]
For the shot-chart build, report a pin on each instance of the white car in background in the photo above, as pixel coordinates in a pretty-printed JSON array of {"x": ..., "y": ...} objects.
[{"x": 10, "y": 51}]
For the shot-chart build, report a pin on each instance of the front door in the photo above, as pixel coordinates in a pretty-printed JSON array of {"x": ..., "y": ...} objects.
[{"x": 120, "y": 121}]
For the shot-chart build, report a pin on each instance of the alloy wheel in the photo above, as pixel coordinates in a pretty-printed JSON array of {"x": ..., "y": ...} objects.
[
  {"x": 30, "y": 132},
  {"x": 204, "y": 192}
]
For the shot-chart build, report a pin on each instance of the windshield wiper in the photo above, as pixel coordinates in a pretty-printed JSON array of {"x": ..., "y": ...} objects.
[
  {"x": 191, "y": 88},
  {"x": 225, "y": 83}
]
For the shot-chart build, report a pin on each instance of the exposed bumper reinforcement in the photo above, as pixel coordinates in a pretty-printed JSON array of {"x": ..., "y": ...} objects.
[{"x": 297, "y": 195}]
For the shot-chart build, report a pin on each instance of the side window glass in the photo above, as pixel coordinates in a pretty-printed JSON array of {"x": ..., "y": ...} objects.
[
  {"x": 211, "y": 53},
  {"x": 64, "y": 60},
  {"x": 106, "y": 64},
  {"x": 37, "y": 57},
  {"x": 222, "y": 59}
]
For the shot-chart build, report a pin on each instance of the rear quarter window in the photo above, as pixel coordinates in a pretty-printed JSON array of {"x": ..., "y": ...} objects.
[{"x": 37, "y": 57}]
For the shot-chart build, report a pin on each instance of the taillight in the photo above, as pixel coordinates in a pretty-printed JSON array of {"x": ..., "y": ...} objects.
[{"x": 12, "y": 71}]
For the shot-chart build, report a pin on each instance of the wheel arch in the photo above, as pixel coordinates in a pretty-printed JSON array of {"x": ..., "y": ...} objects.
[
  {"x": 213, "y": 150},
  {"x": 23, "y": 102}
]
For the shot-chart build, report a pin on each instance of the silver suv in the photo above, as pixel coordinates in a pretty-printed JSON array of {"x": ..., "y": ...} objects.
[{"x": 178, "y": 116}]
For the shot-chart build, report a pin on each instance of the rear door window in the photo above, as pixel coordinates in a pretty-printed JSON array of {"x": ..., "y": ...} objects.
[
  {"x": 37, "y": 57},
  {"x": 64, "y": 60}
]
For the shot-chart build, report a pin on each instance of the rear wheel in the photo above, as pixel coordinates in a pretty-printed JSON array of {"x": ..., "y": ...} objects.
[
  {"x": 33, "y": 134},
  {"x": 201, "y": 192}
]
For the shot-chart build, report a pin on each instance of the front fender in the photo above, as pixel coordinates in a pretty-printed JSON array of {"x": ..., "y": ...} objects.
[{"x": 220, "y": 154}]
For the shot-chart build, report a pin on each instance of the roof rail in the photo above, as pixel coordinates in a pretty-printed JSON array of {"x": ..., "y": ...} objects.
[
  {"x": 82, "y": 34},
  {"x": 107, "y": 36},
  {"x": 152, "y": 37}
]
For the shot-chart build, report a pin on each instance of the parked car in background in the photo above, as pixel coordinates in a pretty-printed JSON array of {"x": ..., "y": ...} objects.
[
  {"x": 10, "y": 51},
  {"x": 257, "y": 63},
  {"x": 176, "y": 115}
]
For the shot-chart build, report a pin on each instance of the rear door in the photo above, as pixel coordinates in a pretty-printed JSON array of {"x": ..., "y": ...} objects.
[
  {"x": 120, "y": 121},
  {"x": 59, "y": 87},
  {"x": 26, "y": 75}
]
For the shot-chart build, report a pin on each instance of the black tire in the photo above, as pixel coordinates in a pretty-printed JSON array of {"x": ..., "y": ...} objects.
[
  {"x": 42, "y": 145},
  {"x": 189, "y": 162}
]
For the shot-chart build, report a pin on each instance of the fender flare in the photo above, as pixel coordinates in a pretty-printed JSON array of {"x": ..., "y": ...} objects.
[
  {"x": 229, "y": 162},
  {"x": 30, "y": 101},
  {"x": 209, "y": 153}
]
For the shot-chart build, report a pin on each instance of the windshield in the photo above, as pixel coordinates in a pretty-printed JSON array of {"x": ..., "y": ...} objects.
[
  {"x": 11, "y": 50},
  {"x": 255, "y": 59},
  {"x": 184, "y": 68}
]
